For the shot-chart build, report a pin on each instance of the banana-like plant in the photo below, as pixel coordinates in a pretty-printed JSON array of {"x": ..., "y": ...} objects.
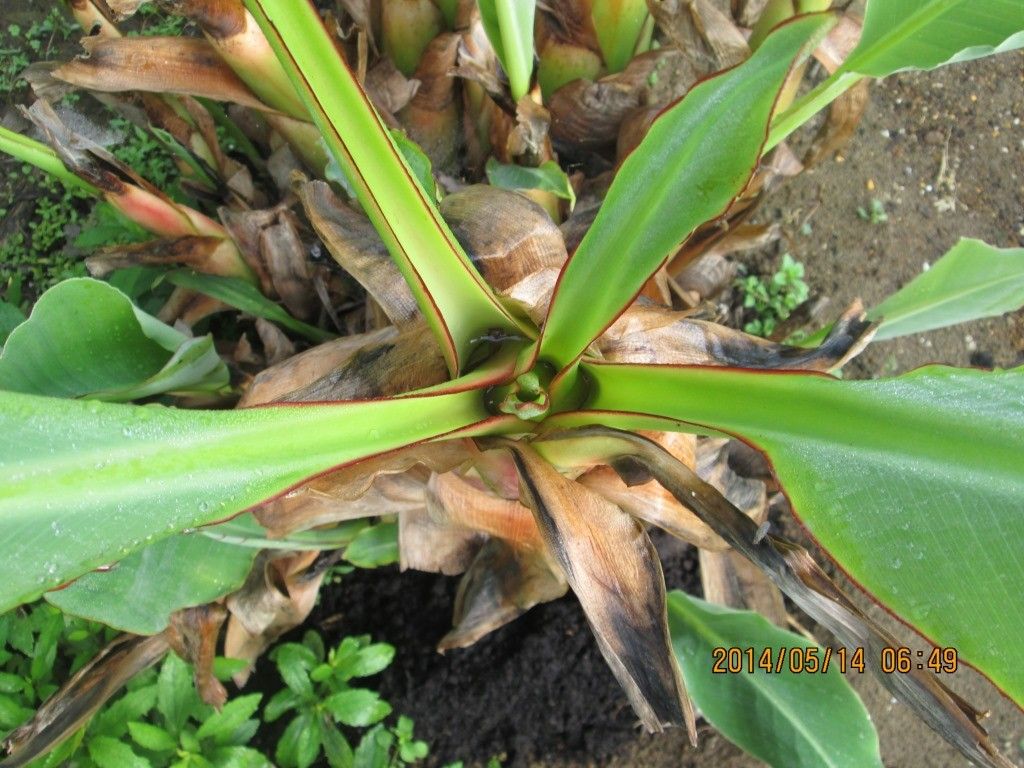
[{"x": 555, "y": 418}]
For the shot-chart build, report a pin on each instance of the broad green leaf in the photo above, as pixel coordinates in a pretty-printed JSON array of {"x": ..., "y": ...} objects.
[
  {"x": 84, "y": 483},
  {"x": 111, "y": 753},
  {"x": 924, "y": 34},
  {"x": 459, "y": 306},
  {"x": 140, "y": 593},
  {"x": 697, "y": 156},
  {"x": 357, "y": 707},
  {"x": 374, "y": 546},
  {"x": 509, "y": 27},
  {"x": 913, "y": 484},
  {"x": 246, "y": 297},
  {"x": 151, "y": 737},
  {"x": 239, "y": 757},
  {"x": 971, "y": 281},
  {"x": 86, "y": 339},
  {"x": 10, "y": 318},
  {"x": 547, "y": 177},
  {"x": 789, "y": 719},
  {"x": 913, "y": 34}
]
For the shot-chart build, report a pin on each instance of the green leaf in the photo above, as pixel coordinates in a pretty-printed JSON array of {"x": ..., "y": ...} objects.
[
  {"x": 357, "y": 707},
  {"x": 923, "y": 34},
  {"x": 788, "y": 719},
  {"x": 294, "y": 663},
  {"x": 697, "y": 156},
  {"x": 10, "y": 318},
  {"x": 374, "y": 546},
  {"x": 418, "y": 162},
  {"x": 140, "y": 592},
  {"x": 281, "y": 702},
  {"x": 619, "y": 25},
  {"x": 457, "y": 303},
  {"x": 244, "y": 296},
  {"x": 86, "y": 483},
  {"x": 111, "y": 753},
  {"x": 913, "y": 34},
  {"x": 903, "y": 481},
  {"x": 371, "y": 660},
  {"x": 12, "y": 712},
  {"x": 548, "y": 177},
  {"x": 175, "y": 694},
  {"x": 221, "y": 726},
  {"x": 86, "y": 339},
  {"x": 300, "y": 743},
  {"x": 336, "y": 747},
  {"x": 239, "y": 757},
  {"x": 151, "y": 737},
  {"x": 509, "y": 27},
  {"x": 135, "y": 705},
  {"x": 971, "y": 281},
  {"x": 374, "y": 750}
]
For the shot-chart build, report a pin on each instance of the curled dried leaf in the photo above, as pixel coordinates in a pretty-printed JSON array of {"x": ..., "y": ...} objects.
[
  {"x": 507, "y": 236},
  {"x": 356, "y": 246},
  {"x": 502, "y": 583},
  {"x": 587, "y": 115},
  {"x": 301, "y": 370},
  {"x": 180, "y": 65},
  {"x": 655, "y": 335},
  {"x": 210, "y": 255},
  {"x": 614, "y": 570},
  {"x": 411, "y": 360},
  {"x": 278, "y": 595},
  {"x": 379, "y": 486}
]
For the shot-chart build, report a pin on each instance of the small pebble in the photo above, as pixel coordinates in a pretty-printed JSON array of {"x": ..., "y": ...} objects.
[{"x": 934, "y": 137}]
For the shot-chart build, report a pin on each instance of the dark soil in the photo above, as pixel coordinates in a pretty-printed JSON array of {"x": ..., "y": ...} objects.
[{"x": 535, "y": 689}]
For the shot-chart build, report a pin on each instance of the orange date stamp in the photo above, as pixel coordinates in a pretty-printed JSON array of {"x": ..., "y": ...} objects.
[{"x": 735, "y": 660}]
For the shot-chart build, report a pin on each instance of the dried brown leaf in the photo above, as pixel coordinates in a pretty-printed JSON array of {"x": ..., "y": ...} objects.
[
  {"x": 303, "y": 369},
  {"x": 287, "y": 263},
  {"x": 356, "y": 246},
  {"x": 180, "y": 65},
  {"x": 507, "y": 236},
  {"x": 193, "y": 636},
  {"x": 645, "y": 334},
  {"x": 387, "y": 484},
  {"x": 614, "y": 570},
  {"x": 277, "y": 596},
  {"x": 502, "y": 583},
  {"x": 432, "y": 115}
]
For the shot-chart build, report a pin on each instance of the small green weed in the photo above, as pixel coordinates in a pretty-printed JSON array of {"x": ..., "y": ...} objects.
[
  {"x": 875, "y": 213},
  {"x": 20, "y": 46},
  {"x": 772, "y": 301},
  {"x": 319, "y": 693}
]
